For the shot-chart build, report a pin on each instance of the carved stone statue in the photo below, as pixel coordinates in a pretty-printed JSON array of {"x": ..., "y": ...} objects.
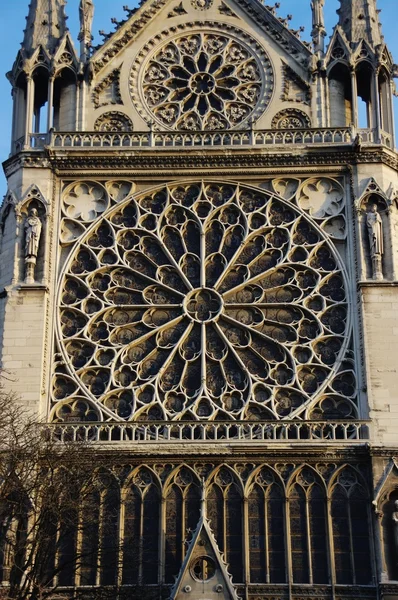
[
  {"x": 318, "y": 25},
  {"x": 318, "y": 19},
  {"x": 86, "y": 14},
  {"x": 375, "y": 231},
  {"x": 32, "y": 229}
]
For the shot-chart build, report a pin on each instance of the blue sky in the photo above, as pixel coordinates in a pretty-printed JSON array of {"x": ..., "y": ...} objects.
[{"x": 12, "y": 23}]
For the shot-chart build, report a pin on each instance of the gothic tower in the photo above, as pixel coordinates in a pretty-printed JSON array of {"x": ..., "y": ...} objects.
[{"x": 199, "y": 261}]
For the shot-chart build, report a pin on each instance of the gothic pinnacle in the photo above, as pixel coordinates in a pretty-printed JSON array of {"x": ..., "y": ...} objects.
[
  {"x": 359, "y": 19},
  {"x": 45, "y": 25}
]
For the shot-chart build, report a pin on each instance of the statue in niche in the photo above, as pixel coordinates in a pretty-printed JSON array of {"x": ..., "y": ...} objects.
[
  {"x": 32, "y": 229},
  {"x": 374, "y": 225}
]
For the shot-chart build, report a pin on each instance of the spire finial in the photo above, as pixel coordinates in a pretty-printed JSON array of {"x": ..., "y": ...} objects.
[
  {"x": 45, "y": 25},
  {"x": 318, "y": 32},
  {"x": 86, "y": 14},
  {"x": 359, "y": 19}
]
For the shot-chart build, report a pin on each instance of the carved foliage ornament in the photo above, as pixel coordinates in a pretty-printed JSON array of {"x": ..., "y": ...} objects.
[
  {"x": 203, "y": 80},
  {"x": 112, "y": 122},
  {"x": 291, "y": 118},
  {"x": 203, "y": 300}
]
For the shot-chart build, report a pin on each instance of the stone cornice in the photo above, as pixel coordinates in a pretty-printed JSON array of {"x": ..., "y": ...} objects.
[
  {"x": 192, "y": 452},
  {"x": 174, "y": 161}
]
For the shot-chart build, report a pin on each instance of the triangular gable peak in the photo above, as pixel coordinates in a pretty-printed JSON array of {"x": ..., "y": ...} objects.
[
  {"x": 386, "y": 58},
  {"x": 40, "y": 57},
  {"x": 273, "y": 27},
  {"x": 17, "y": 68},
  {"x": 203, "y": 571},
  {"x": 338, "y": 48},
  {"x": 66, "y": 55},
  {"x": 370, "y": 188},
  {"x": 363, "y": 51}
]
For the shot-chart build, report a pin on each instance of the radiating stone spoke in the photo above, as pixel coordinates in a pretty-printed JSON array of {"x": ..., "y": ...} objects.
[{"x": 203, "y": 300}]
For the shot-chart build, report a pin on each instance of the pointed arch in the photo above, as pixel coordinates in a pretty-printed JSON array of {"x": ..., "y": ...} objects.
[
  {"x": 266, "y": 527},
  {"x": 385, "y": 103},
  {"x": 141, "y": 527},
  {"x": 340, "y": 95},
  {"x": 307, "y": 511},
  {"x": 349, "y": 500},
  {"x": 64, "y": 100},
  {"x": 224, "y": 502},
  {"x": 182, "y": 511}
]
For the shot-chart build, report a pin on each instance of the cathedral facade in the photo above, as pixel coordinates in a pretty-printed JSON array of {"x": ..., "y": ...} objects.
[{"x": 199, "y": 262}]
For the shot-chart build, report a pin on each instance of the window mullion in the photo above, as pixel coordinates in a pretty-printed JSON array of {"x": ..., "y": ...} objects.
[
  {"x": 99, "y": 553},
  {"x": 141, "y": 540},
  {"x": 183, "y": 523},
  {"x": 330, "y": 544},
  {"x": 352, "y": 560},
  {"x": 288, "y": 541},
  {"x": 308, "y": 531},
  {"x": 266, "y": 539},
  {"x": 120, "y": 549}
]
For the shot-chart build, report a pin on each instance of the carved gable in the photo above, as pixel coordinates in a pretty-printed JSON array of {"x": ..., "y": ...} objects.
[
  {"x": 201, "y": 64},
  {"x": 203, "y": 572}
]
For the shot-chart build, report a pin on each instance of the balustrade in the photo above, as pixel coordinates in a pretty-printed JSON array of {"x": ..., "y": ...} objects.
[
  {"x": 187, "y": 139},
  {"x": 238, "y": 432}
]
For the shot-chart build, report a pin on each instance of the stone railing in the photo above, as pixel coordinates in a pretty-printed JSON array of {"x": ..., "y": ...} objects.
[
  {"x": 178, "y": 139},
  {"x": 240, "y": 432},
  {"x": 204, "y": 139}
]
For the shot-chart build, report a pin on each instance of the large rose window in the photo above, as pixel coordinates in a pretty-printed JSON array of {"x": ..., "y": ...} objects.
[
  {"x": 208, "y": 300},
  {"x": 205, "y": 80}
]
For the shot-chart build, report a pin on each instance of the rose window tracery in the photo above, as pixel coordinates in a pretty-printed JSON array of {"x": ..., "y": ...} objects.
[
  {"x": 205, "y": 80},
  {"x": 205, "y": 300}
]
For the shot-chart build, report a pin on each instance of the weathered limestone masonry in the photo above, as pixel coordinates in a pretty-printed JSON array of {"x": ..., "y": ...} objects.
[{"x": 199, "y": 263}]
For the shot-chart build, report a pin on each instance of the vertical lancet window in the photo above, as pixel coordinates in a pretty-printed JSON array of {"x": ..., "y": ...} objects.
[
  {"x": 308, "y": 529},
  {"x": 99, "y": 545},
  {"x": 141, "y": 530},
  {"x": 351, "y": 541},
  {"x": 182, "y": 515},
  {"x": 266, "y": 518},
  {"x": 224, "y": 510}
]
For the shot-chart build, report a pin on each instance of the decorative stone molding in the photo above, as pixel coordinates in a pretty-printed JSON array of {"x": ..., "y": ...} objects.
[
  {"x": 177, "y": 11},
  {"x": 108, "y": 90},
  {"x": 262, "y": 16},
  {"x": 291, "y": 118},
  {"x": 201, "y": 4},
  {"x": 113, "y": 121},
  {"x": 295, "y": 89},
  {"x": 224, "y": 9}
]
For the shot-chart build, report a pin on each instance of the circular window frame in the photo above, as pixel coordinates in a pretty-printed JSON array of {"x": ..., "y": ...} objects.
[
  {"x": 207, "y": 558},
  {"x": 253, "y": 46}
]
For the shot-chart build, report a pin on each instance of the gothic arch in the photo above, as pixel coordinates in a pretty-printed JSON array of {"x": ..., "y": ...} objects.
[
  {"x": 64, "y": 98},
  {"x": 224, "y": 507},
  {"x": 266, "y": 516},
  {"x": 351, "y": 526},
  {"x": 140, "y": 527},
  {"x": 374, "y": 200},
  {"x": 308, "y": 529},
  {"x": 99, "y": 537},
  {"x": 340, "y": 94},
  {"x": 183, "y": 500}
]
